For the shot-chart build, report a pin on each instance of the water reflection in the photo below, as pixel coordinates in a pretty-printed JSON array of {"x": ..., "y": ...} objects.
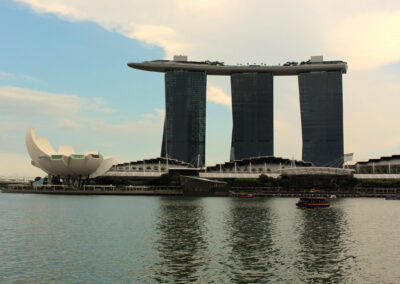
[
  {"x": 181, "y": 242},
  {"x": 322, "y": 255},
  {"x": 250, "y": 226}
]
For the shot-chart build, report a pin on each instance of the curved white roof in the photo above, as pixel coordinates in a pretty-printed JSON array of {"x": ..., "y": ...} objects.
[
  {"x": 65, "y": 163},
  {"x": 37, "y": 146}
]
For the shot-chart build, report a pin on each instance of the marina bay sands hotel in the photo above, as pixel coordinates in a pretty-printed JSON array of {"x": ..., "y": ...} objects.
[{"x": 321, "y": 107}]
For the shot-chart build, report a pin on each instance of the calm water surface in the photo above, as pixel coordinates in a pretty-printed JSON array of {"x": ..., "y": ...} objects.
[{"x": 124, "y": 239}]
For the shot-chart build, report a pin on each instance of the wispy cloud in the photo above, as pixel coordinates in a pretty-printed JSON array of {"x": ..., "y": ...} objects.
[
  {"x": 11, "y": 77},
  {"x": 149, "y": 123},
  {"x": 68, "y": 123},
  {"x": 7, "y": 76},
  {"x": 16, "y": 101},
  {"x": 20, "y": 101},
  {"x": 159, "y": 35},
  {"x": 148, "y": 115},
  {"x": 68, "y": 111},
  {"x": 160, "y": 113},
  {"x": 96, "y": 105}
]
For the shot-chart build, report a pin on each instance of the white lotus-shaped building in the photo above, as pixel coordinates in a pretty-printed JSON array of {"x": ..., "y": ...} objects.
[{"x": 65, "y": 163}]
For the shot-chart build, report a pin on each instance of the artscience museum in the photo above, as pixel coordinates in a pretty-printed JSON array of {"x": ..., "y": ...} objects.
[{"x": 65, "y": 163}]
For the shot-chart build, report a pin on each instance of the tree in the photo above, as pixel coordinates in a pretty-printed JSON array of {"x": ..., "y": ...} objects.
[{"x": 164, "y": 179}]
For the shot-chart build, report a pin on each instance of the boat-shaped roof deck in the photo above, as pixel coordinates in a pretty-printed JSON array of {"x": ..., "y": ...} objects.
[{"x": 218, "y": 68}]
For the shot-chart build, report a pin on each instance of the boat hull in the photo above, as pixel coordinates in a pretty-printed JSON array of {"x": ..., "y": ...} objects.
[
  {"x": 312, "y": 205},
  {"x": 245, "y": 195}
]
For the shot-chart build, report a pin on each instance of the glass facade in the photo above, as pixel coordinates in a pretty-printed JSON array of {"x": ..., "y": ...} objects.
[
  {"x": 253, "y": 115},
  {"x": 321, "y": 106},
  {"x": 185, "y": 117}
]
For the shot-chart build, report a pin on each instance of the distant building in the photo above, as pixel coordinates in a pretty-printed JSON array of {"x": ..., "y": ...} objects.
[
  {"x": 70, "y": 167},
  {"x": 264, "y": 164},
  {"x": 185, "y": 118},
  {"x": 321, "y": 106},
  {"x": 376, "y": 166},
  {"x": 348, "y": 157},
  {"x": 197, "y": 186},
  {"x": 150, "y": 165},
  {"x": 253, "y": 115}
]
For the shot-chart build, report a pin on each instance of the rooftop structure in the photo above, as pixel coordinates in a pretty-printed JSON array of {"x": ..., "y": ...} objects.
[
  {"x": 315, "y": 171},
  {"x": 219, "y": 68},
  {"x": 151, "y": 165},
  {"x": 263, "y": 164},
  {"x": 388, "y": 165}
]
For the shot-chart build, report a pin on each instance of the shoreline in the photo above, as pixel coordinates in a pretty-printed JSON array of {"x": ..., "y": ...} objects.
[{"x": 181, "y": 193}]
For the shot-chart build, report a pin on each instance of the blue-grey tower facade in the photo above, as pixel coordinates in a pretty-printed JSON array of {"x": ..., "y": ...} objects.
[
  {"x": 253, "y": 115},
  {"x": 185, "y": 117},
  {"x": 321, "y": 106}
]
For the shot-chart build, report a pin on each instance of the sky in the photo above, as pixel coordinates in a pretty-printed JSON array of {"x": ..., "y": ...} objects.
[{"x": 63, "y": 71}]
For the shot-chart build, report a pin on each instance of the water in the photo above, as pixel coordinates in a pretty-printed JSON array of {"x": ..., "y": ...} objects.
[{"x": 130, "y": 239}]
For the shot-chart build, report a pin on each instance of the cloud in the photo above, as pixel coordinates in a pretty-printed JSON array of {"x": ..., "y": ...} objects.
[
  {"x": 6, "y": 76},
  {"x": 147, "y": 115},
  {"x": 162, "y": 36},
  {"x": 218, "y": 96},
  {"x": 68, "y": 123},
  {"x": 16, "y": 101},
  {"x": 244, "y": 31},
  {"x": 160, "y": 113},
  {"x": 149, "y": 123},
  {"x": 68, "y": 111},
  {"x": 363, "y": 33},
  {"x": 96, "y": 105},
  {"x": 58, "y": 8},
  {"x": 126, "y": 128},
  {"x": 368, "y": 40}
]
